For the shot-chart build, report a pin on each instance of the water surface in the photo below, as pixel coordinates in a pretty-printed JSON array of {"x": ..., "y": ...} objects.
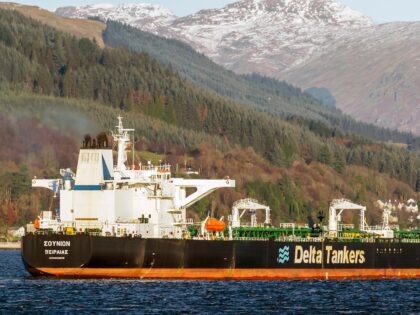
[{"x": 21, "y": 293}]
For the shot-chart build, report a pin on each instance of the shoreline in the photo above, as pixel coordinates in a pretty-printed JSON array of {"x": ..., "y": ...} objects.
[{"x": 9, "y": 245}]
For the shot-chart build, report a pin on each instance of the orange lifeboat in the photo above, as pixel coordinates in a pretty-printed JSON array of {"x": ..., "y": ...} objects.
[
  {"x": 214, "y": 225},
  {"x": 37, "y": 224}
]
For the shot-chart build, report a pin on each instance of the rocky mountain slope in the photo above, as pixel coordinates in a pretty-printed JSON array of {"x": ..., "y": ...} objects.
[
  {"x": 264, "y": 36},
  {"x": 268, "y": 95},
  {"x": 147, "y": 17},
  {"x": 312, "y": 43},
  {"x": 374, "y": 75}
]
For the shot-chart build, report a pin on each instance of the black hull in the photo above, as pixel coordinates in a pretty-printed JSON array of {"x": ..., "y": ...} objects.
[{"x": 93, "y": 256}]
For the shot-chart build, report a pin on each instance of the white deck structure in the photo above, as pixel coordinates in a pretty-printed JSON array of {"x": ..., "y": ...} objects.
[
  {"x": 251, "y": 206},
  {"x": 116, "y": 200},
  {"x": 339, "y": 205}
]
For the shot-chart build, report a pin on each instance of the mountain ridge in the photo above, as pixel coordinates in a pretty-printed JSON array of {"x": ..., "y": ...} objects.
[
  {"x": 149, "y": 17},
  {"x": 243, "y": 22},
  {"x": 296, "y": 41},
  {"x": 279, "y": 99}
]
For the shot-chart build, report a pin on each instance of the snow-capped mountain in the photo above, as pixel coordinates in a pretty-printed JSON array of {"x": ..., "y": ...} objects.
[
  {"x": 267, "y": 34},
  {"x": 147, "y": 17},
  {"x": 249, "y": 35},
  {"x": 372, "y": 70}
]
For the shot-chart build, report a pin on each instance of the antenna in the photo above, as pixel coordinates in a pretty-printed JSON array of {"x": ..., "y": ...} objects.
[{"x": 122, "y": 137}]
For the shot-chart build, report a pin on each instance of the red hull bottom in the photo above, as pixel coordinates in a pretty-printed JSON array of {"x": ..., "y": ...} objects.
[{"x": 228, "y": 274}]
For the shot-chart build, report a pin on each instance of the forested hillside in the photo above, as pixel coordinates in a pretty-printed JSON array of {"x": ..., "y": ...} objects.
[
  {"x": 55, "y": 87},
  {"x": 295, "y": 193},
  {"x": 265, "y": 94}
]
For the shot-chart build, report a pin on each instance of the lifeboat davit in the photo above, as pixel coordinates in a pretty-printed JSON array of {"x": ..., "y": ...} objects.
[{"x": 214, "y": 225}]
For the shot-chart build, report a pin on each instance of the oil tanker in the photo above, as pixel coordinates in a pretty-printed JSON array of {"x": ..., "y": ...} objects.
[{"x": 124, "y": 221}]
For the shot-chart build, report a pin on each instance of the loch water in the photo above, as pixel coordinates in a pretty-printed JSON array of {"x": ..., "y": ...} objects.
[{"x": 21, "y": 293}]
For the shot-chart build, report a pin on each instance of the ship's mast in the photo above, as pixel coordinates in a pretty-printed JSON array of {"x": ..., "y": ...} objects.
[
  {"x": 122, "y": 137},
  {"x": 385, "y": 216}
]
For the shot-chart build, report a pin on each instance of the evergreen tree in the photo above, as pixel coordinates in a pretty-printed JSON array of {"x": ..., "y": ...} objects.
[
  {"x": 339, "y": 162},
  {"x": 325, "y": 155}
]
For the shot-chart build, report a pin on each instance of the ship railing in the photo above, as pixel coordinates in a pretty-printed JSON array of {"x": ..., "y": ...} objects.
[
  {"x": 299, "y": 239},
  {"x": 260, "y": 225},
  {"x": 160, "y": 168},
  {"x": 354, "y": 239},
  {"x": 94, "y": 233},
  {"x": 250, "y": 239},
  {"x": 293, "y": 226},
  {"x": 368, "y": 240},
  {"x": 282, "y": 239},
  {"x": 287, "y": 225},
  {"x": 410, "y": 240},
  {"x": 381, "y": 227},
  {"x": 374, "y": 228},
  {"x": 164, "y": 168},
  {"x": 42, "y": 232},
  {"x": 342, "y": 227},
  {"x": 322, "y": 239},
  {"x": 316, "y": 239},
  {"x": 149, "y": 167}
]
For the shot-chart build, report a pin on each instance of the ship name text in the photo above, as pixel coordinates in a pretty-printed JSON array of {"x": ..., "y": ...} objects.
[
  {"x": 332, "y": 256},
  {"x": 54, "y": 248},
  {"x": 57, "y": 243}
]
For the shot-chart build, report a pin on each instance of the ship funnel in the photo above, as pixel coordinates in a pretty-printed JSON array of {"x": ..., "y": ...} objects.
[{"x": 93, "y": 168}]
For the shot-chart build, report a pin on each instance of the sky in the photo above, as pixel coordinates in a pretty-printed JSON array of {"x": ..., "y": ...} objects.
[{"x": 380, "y": 10}]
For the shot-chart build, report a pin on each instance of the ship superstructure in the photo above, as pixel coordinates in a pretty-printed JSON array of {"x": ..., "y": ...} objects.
[{"x": 118, "y": 200}]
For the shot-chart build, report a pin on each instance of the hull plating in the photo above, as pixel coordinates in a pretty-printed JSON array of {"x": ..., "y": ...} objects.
[
  {"x": 100, "y": 257},
  {"x": 228, "y": 274}
]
